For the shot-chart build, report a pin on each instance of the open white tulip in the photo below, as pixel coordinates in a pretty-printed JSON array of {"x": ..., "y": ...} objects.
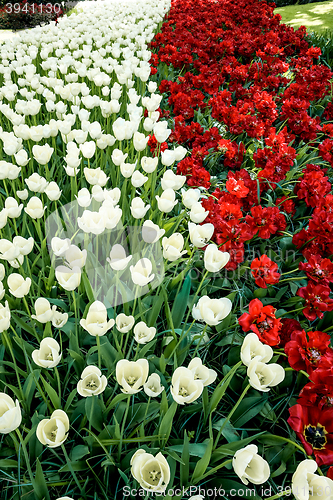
[
  {"x": 152, "y": 473},
  {"x": 36, "y": 183},
  {"x": 306, "y": 484},
  {"x": 92, "y": 382},
  {"x": 143, "y": 334},
  {"x": 214, "y": 259},
  {"x": 92, "y": 222},
  {"x": 141, "y": 272},
  {"x": 206, "y": 375},
  {"x": 112, "y": 214},
  {"x": 131, "y": 375},
  {"x": 118, "y": 259},
  {"x": 18, "y": 286},
  {"x": 48, "y": 355},
  {"x": 58, "y": 319},
  {"x": 252, "y": 348},
  {"x": 249, "y": 466},
  {"x": 68, "y": 278},
  {"x": 10, "y": 414},
  {"x": 59, "y": 246},
  {"x": 75, "y": 257},
  {"x": 124, "y": 323},
  {"x": 8, "y": 251},
  {"x": 185, "y": 388},
  {"x": 172, "y": 181},
  {"x": 212, "y": 311},
  {"x": 166, "y": 201},
  {"x": 153, "y": 387},
  {"x": 262, "y": 377},
  {"x": 96, "y": 322},
  {"x": 53, "y": 431},
  {"x": 200, "y": 235}
]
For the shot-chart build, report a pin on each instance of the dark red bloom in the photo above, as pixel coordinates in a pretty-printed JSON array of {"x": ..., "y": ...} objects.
[
  {"x": 264, "y": 271},
  {"x": 314, "y": 427},
  {"x": 313, "y": 394},
  {"x": 318, "y": 269},
  {"x": 261, "y": 320},
  {"x": 309, "y": 350},
  {"x": 288, "y": 327},
  {"x": 317, "y": 300}
]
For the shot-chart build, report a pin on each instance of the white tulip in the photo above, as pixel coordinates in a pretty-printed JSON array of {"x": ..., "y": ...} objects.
[
  {"x": 111, "y": 214},
  {"x": 180, "y": 153},
  {"x": 166, "y": 201},
  {"x": 13, "y": 208},
  {"x": 92, "y": 382},
  {"x": 138, "y": 179},
  {"x": 2, "y": 272},
  {"x": 59, "y": 246},
  {"x": 35, "y": 208},
  {"x": 249, "y": 466},
  {"x": 22, "y": 158},
  {"x": 88, "y": 149},
  {"x": 152, "y": 473},
  {"x": 4, "y": 317},
  {"x": 212, "y": 311},
  {"x": 153, "y": 387},
  {"x": 149, "y": 164},
  {"x": 43, "y": 310},
  {"x": 185, "y": 388},
  {"x": 3, "y": 218},
  {"x": 53, "y": 191},
  {"x": 131, "y": 375},
  {"x": 143, "y": 334},
  {"x": 118, "y": 157},
  {"x": 53, "y": 431},
  {"x": 95, "y": 176},
  {"x": 68, "y": 278},
  {"x": 198, "y": 214},
  {"x": 124, "y": 323},
  {"x": 151, "y": 232},
  {"x": 161, "y": 131},
  {"x": 92, "y": 222},
  {"x": 96, "y": 322},
  {"x": 10, "y": 414},
  {"x": 138, "y": 208},
  {"x": 84, "y": 197},
  {"x": 23, "y": 195},
  {"x": 262, "y": 377},
  {"x": 173, "y": 247},
  {"x": 75, "y": 257},
  {"x": 48, "y": 355},
  {"x": 168, "y": 157},
  {"x": 172, "y": 181},
  {"x": 18, "y": 286},
  {"x": 200, "y": 235},
  {"x": 252, "y": 348},
  {"x": 42, "y": 154},
  {"x": 112, "y": 195},
  {"x": 214, "y": 259},
  {"x": 206, "y": 375},
  {"x": 118, "y": 259},
  {"x": 140, "y": 141},
  {"x": 141, "y": 272},
  {"x": 127, "y": 169},
  {"x": 58, "y": 319},
  {"x": 25, "y": 246},
  {"x": 8, "y": 251},
  {"x": 36, "y": 183},
  {"x": 97, "y": 193},
  {"x": 306, "y": 484}
]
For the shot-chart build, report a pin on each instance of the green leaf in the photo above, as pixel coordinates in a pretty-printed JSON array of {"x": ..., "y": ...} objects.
[
  {"x": 203, "y": 463},
  {"x": 184, "y": 468},
  {"x": 166, "y": 423},
  {"x": 249, "y": 408},
  {"x": 155, "y": 311},
  {"x": 180, "y": 303},
  {"x": 54, "y": 397},
  {"x": 78, "y": 452},
  {"x": 39, "y": 484},
  {"x": 30, "y": 386},
  {"x": 94, "y": 412}
]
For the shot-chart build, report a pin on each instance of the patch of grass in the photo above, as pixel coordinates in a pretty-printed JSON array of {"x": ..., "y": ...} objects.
[{"x": 316, "y": 17}]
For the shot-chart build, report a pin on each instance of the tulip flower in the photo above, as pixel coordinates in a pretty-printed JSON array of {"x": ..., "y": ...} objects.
[
  {"x": 252, "y": 348},
  {"x": 48, "y": 355},
  {"x": 131, "y": 375},
  {"x": 212, "y": 311},
  {"x": 42, "y": 154},
  {"x": 68, "y": 278},
  {"x": 173, "y": 247},
  {"x": 185, "y": 388},
  {"x": 144, "y": 334},
  {"x": 18, "y": 286},
  {"x": 249, "y": 466},
  {"x": 96, "y": 322},
  {"x": 53, "y": 431},
  {"x": 214, "y": 259},
  {"x": 152, "y": 473},
  {"x": 151, "y": 232},
  {"x": 92, "y": 382},
  {"x": 153, "y": 387},
  {"x": 10, "y": 414},
  {"x": 306, "y": 484},
  {"x": 118, "y": 259},
  {"x": 141, "y": 272},
  {"x": 262, "y": 377}
]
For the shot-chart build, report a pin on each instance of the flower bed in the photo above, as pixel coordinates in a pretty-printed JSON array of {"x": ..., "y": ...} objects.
[{"x": 166, "y": 222}]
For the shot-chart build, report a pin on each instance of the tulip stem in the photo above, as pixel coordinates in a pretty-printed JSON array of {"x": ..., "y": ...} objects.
[
  {"x": 199, "y": 341},
  {"x": 279, "y": 495},
  {"x": 227, "y": 419},
  {"x": 75, "y": 314},
  {"x": 98, "y": 342},
  {"x": 26, "y": 456},
  {"x": 289, "y": 368},
  {"x": 71, "y": 469},
  {"x": 123, "y": 427},
  {"x": 215, "y": 469}
]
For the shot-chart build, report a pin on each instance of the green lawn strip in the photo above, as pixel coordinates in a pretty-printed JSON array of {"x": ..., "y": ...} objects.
[{"x": 315, "y": 16}]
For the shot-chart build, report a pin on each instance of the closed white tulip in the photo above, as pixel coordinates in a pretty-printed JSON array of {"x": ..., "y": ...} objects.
[
  {"x": 23, "y": 195},
  {"x": 96, "y": 322},
  {"x": 151, "y": 232},
  {"x": 2, "y": 272},
  {"x": 180, "y": 153},
  {"x": 161, "y": 131},
  {"x": 168, "y": 157},
  {"x": 153, "y": 387},
  {"x": 131, "y": 375},
  {"x": 53, "y": 431},
  {"x": 88, "y": 149},
  {"x": 111, "y": 214},
  {"x": 249, "y": 466},
  {"x": 118, "y": 259},
  {"x": 53, "y": 191},
  {"x": 172, "y": 181},
  {"x": 42, "y": 154},
  {"x": 212, "y": 311},
  {"x": 97, "y": 193},
  {"x": 138, "y": 179},
  {"x": 141, "y": 272},
  {"x": 92, "y": 222},
  {"x": 112, "y": 195},
  {"x": 173, "y": 247},
  {"x": 48, "y": 355},
  {"x": 95, "y": 176},
  {"x": 4, "y": 317},
  {"x": 3, "y": 218},
  {"x": 190, "y": 197},
  {"x": 124, "y": 323},
  {"x": 92, "y": 382},
  {"x": 75, "y": 257},
  {"x": 138, "y": 208},
  {"x": 118, "y": 157},
  {"x": 262, "y": 377},
  {"x": 84, "y": 197},
  {"x": 214, "y": 259},
  {"x": 35, "y": 208},
  {"x": 198, "y": 214},
  {"x": 306, "y": 484},
  {"x": 252, "y": 348},
  {"x": 206, "y": 375},
  {"x": 127, "y": 169},
  {"x": 10, "y": 414},
  {"x": 143, "y": 333},
  {"x": 36, "y": 183},
  {"x": 18, "y": 286},
  {"x": 185, "y": 388},
  {"x": 149, "y": 164},
  {"x": 140, "y": 141},
  {"x": 24, "y": 245},
  {"x": 152, "y": 473},
  {"x": 68, "y": 278},
  {"x": 59, "y": 246},
  {"x": 13, "y": 208},
  {"x": 166, "y": 201},
  {"x": 21, "y": 158},
  {"x": 200, "y": 235}
]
